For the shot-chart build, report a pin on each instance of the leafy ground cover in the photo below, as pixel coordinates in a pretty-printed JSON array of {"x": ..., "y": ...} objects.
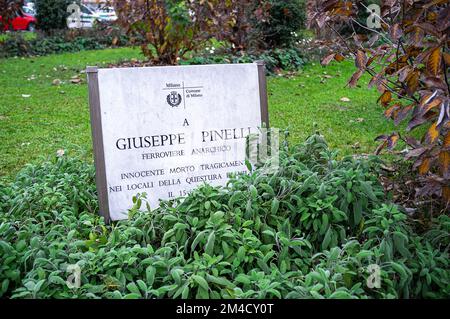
[
  {"x": 41, "y": 110},
  {"x": 26, "y": 34},
  {"x": 318, "y": 228},
  {"x": 40, "y": 44}
]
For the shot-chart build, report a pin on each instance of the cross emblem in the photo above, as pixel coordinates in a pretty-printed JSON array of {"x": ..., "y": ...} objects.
[
  {"x": 177, "y": 93},
  {"x": 174, "y": 99}
]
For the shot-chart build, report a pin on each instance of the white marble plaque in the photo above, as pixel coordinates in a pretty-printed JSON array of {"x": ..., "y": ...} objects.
[{"x": 167, "y": 130}]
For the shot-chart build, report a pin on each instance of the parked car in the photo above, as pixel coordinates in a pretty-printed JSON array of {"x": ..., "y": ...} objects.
[
  {"x": 88, "y": 17},
  {"x": 29, "y": 10},
  {"x": 29, "y": 4},
  {"x": 106, "y": 14},
  {"x": 21, "y": 22}
]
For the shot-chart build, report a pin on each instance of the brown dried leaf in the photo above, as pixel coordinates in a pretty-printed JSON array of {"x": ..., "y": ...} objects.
[
  {"x": 446, "y": 142},
  {"x": 326, "y": 60},
  {"x": 429, "y": 28},
  {"x": 396, "y": 31},
  {"x": 402, "y": 114},
  {"x": 434, "y": 83},
  {"x": 446, "y": 57},
  {"x": 427, "y": 104},
  {"x": 443, "y": 22},
  {"x": 417, "y": 37},
  {"x": 434, "y": 61},
  {"x": 412, "y": 82},
  {"x": 446, "y": 194},
  {"x": 395, "y": 66},
  {"x": 444, "y": 163},
  {"x": 424, "y": 166},
  {"x": 361, "y": 60},
  {"x": 392, "y": 140},
  {"x": 417, "y": 120},
  {"x": 381, "y": 85},
  {"x": 339, "y": 57},
  {"x": 375, "y": 80},
  {"x": 354, "y": 79},
  {"x": 403, "y": 73},
  {"x": 385, "y": 98},
  {"x": 432, "y": 134},
  {"x": 411, "y": 141},
  {"x": 389, "y": 112},
  {"x": 380, "y": 147}
]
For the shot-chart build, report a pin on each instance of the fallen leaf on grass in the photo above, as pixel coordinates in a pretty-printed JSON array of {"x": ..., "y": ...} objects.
[
  {"x": 388, "y": 168},
  {"x": 75, "y": 80},
  {"x": 56, "y": 82},
  {"x": 289, "y": 74}
]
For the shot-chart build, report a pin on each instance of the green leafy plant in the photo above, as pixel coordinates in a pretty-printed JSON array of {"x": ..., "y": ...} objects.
[
  {"x": 63, "y": 41},
  {"x": 311, "y": 230},
  {"x": 287, "y": 59}
]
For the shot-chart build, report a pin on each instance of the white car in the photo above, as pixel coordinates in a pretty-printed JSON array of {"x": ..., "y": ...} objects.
[
  {"x": 88, "y": 18},
  {"x": 29, "y": 8},
  {"x": 29, "y": 4},
  {"x": 107, "y": 14}
]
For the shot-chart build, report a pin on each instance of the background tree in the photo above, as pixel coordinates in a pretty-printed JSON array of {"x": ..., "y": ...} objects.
[
  {"x": 170, "y": 29},
  {"x": 167, "y": 28},
  {"x": 52, "y": 14},
  {"x": 408, "y": 60},
  {"x": 283, "y": 19}
]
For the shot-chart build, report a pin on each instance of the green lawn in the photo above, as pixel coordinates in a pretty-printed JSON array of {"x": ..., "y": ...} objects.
[
  {"x": 37, "y": 118},
  {"x": 313, "y": 99}
]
